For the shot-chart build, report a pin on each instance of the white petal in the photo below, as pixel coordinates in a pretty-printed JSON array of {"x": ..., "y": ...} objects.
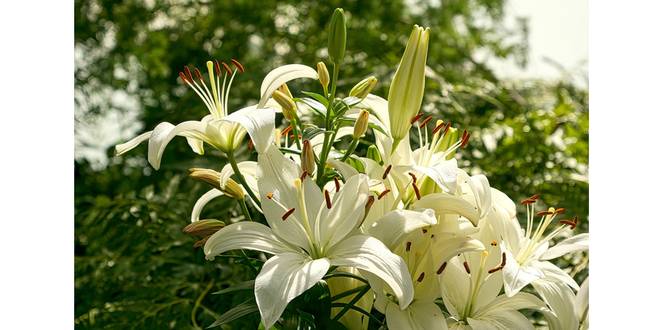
[
  {"x": 481, "y": 191},
  {"x": 164, "y": 133},
  {"x": 443, "y": 203},
  {"x": 573, "y": 244},
  {"x": 522, "y": 300},
  {"x": 202, "y": 201},
  {"x": 582, "y": 302},
  {"x": 517, "y": 276},
  {"x": 245, "y": 235},
  {"x": 554, "y": 273},
  {"x": 249, "y": 171},
  {"x": 443, "y": 173},
  {"x": 120, "y": 149},
  {"x": 371, "y": 255},
  {"x": 345, "y": 214},
  {"x": 282, "y": 278},
  {"x": 392, "y": 228},
  {"x": 259, "y": 123},
  {"x": 280, "y": 76},
  {"x": 344, "y": 169},
  {"x": 196, "y": 145},
  {"x": 561, "y": 300},
  {"x": 505, "y": 320},
  {"x": 418, "y": 316},
  {"x": 455, "y": 287}
]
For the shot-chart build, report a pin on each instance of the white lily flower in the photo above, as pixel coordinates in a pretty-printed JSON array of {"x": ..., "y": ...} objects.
[
  {"x": 308, "y": 234},
  {"x": 470, "y": 293},
  {"x": 567, "y": 310},
  {"x": 528, "y": 250},
  {"x": 219, "y": 129}
]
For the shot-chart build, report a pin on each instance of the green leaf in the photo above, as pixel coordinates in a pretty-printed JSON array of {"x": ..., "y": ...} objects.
[
  {"x": 317, "y": 97},
  {"x": 243, "y": 309},
  {"x": 247, "y": 285}
]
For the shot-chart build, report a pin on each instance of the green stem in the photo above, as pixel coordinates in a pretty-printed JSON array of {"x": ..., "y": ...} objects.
[
  {"x": 241, "y": 178},
  {"x": 345, "y": 274},
  {"x": 352, "y": 303},
  {"x": 358, "y": 309},
  {"x": 198, "y": 302},
  {"x": 327, "y": 143},
  {"x": 348, "y": 292},
  {"x": 245, "y": 210},
  {"x": 296, "y": 138},
  {"x": 351, "y": 149}
]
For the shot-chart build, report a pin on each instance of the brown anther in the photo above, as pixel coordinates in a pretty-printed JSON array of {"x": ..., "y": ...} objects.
[
  {"x": 369, "y": 203},
  {"x": 269, "y": 195},
  {"x": 216, "y": 65},
  {"x": 188, "y": 74},
  {"x": 424, "y": 231},
  {"x": 250, "y": 145},
  {"x": 560, "y": 210},
  {"x": 570, "y": 222},
  {"x": 493, "y": 243},
  {"x": 466, "y": 266},
  {"x": 387, "y": 171},
  {"x": 328, "y": 202},
  {"x": 288, "y": 213},
  {"x": 334, "y": 178},
  {"x": 303, "y": 175},
  {"x": 503, "y": 260},
  {"x": 420, "y": 278},
  {"x": 183, "y": 77},
  {"x": 238, "y": 65},
  {"x": 408, "y": 244},
  {"x": 416, "y": 189},
  {"x": 226, "y": 67},
  {"x": 543, "y": 213},
  {"x": 442, "y": 268},
  {"x": 527, "y": 201},
  {"x": 464, "y": 139},
  {"x": 425, "y": 121},
  {"x": 535, "y": 197},
  {"x": 381, "y": 195},
  {"x": 447, "y": 127},
  {"x": 438, "y": 128},
  {"x": 501, "y": 265},
  {"x": 198, "y": 75},
  {"x": 416, "y": 118},
  {"x": 287, "y": 130},
  {"x": 490, "y": 271},
  {"x": 413, "y": 176}
]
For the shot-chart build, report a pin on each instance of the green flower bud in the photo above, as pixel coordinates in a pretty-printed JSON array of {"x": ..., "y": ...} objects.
[
  {"x": 361, "y": 124},
  {"x": 203, "y": 228},
  {"x": 287, "y": 104},
  {"x": 229, "y": 187},
  {"x": 364, "y": 87},
  {"x": 407, "y": 88},
  {"x": 308, "y": 162},
  {"x": 374, "y": 154},
  {"x": 337, "y": 36},
  {"x": 324, "y": 75}
]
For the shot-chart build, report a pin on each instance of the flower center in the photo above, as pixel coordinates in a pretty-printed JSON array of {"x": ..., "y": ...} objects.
[{"x": 477, "y": 280}]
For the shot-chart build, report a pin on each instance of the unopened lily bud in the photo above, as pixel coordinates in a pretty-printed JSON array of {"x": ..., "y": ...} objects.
[
  {"x": 364, "y": 87},
  {"x": 407, "y": 88},
  {"x": 233, "y": 189},
  {"x": 308, "y": 163},
  {"x": 285, "y": 89},
  {"x": 287, "y": 104},
  {"x": 229, "y": 187},
  {"x": 324, "y": 75},
  {"x": 448, "y": 140},
  {"x": 337, "y": 36},
  {"x": 203, "y": 228},
  {"x": 374, "y": 154},
  {"x": 361, "y": 124}
]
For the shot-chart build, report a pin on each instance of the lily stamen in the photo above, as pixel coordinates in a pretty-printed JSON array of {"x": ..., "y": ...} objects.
[
  {"x": 442, "y": 268},
  {"x": 328, "y": 202},
  {"x": 336, "y": 183},
  {"x": 382, "y": 194},
  {"x": 387, "y": 171},
  {"x": 288, "y": 213}
]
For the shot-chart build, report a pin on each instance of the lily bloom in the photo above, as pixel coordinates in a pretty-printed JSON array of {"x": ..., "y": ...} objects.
[{"x": 307, "y": 233}]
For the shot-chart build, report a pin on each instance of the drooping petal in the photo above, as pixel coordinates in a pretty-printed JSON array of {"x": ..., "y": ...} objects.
[
  {"x": 258, "y": 122},
  {"x": 443, "y": 203},
  {"x": 561, "y": 300},
  {"x": 392, "y": 228},
  {"x": 196, "y": 145},
  {"x": 504, "y": 320},
  {"x": 164, "y": 133},
  {"x": 481, "y": 191},
  {"x": 282, "y": 278},
  {"x": 345, "y": 214},
  {"x": 582, "y": 303},
  {"x": 280, "y": 76},
  {"x": 121, "y": 149},
  {"x": 521, "y": 300},
  {"x": 554, "y": 273},
  {"x": 371, "y": 255},
  {"x": 202, "y": 201},
  {"x": 245, "y": 235},
  {"x": 576, "y": 243},
  {"x": 418, "y": 316}
]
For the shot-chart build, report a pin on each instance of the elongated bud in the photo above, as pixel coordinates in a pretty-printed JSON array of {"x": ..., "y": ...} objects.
[
  {"x": 364, "y": 87},
  {"x": 203, "y": 228},
  {"x": 308, "y": 163},
  {"x": 361, "y": 124},
  {"x": 374, "y": 154},
  {"x": 337, "y": 36},
  {"x": 287, "y": 104},
  {"x": 324, "y": 75},
  {"x": 407, "y": 88},
  {"x": 229, "y": 187},
  {"x": 285, "y": 89}
]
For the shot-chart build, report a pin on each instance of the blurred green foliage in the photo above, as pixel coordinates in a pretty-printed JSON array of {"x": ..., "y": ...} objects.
[{"x": 136, "y": 269}]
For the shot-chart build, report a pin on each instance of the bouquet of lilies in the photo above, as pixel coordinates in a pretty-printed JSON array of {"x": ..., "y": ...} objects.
[{"x": 399, "y": 237}]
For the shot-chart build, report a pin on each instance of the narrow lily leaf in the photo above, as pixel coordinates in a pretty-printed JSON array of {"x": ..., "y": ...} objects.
[
  {"x": 318, "y": 97},
  {"x": 315, "y": 105},
  {"x": 282, "y": 75},
  {"x": 243, "y": 309},
  {"x": 246, "y": 285},
  {"x": 311, "y": 132}
]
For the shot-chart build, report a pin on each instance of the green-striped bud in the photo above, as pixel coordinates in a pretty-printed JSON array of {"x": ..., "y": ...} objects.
[
  {"x": 364, "y": 87},
  {"x": 374, "y": 154},
  {"x": 337, "y": 36},
  {"x": 308, "y": 162},
  {"x": 324, "y": 75},
  {"x": 287, "y": 104},
  {"x": 361, "y": 124}
]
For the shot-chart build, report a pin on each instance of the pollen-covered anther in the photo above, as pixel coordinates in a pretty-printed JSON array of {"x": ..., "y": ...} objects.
[
  {"x": 238, "y": 65},
  {"x": 442, "y": 268},
  {"x": 183, "y": 77},
  {"x": 420, "y": 278},
  {"x": 288, "y": 213},
  {"x": 466, "y": 266},
  {"x": 500, "y": 266},
  {"x": 543, "y": 213},
  {"x": 408, "y": 245},
  {"x": 334, "y": 178},
  {"x": 328, "y": 202},
  {"x": 527, "y": 201},
  {"x": 416, "y": 189},
  {"x": 413, "y": 176},
  {"x": 303, "y": 175},
  {"x": 269, "y": 195},
  {"x": 570, "y": 222},
  {"x": 438, "y": 128},
  {"x": 198, "y": 75},
  {"x": 447, "y": 127},
  {"x": 227, "y": 68},
  {"x": 560, "y": 210},
  {"x": 416, "y": 118},
  {"x": 387, "y": 171},
  {"x": 216, "y": 65},
  {"x": 186, "y": 70},
  {"x": 464, "y": 139},
  {"x": 425, "y": 121},
  {"x": 368, "y": 204},
  {"x": 381, "y": 195}
]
